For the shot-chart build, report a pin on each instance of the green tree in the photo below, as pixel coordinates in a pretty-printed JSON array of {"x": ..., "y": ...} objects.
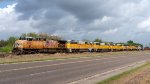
[
  {"x": 7, "y": 45},
  {"x": 49, "y": 37},
  {"x": 98, "y": 40},
  {"x": 130, "y": 42},
  {"x": 3, "y": 43},
  {"x": 31, "y": 34},
  {"x": 11, "y": 41},
  {"x": 41, "y": 35}
]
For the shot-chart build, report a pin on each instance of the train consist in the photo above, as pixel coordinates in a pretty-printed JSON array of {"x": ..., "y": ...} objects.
[{"x": 30, "y": 45}]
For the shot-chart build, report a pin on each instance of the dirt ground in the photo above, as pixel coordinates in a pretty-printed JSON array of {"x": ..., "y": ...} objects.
[
  {"x": 9, "y": 58},
  {"x": 140, "y": 76}
]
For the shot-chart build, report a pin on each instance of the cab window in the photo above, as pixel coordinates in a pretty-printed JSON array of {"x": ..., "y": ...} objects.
[{"x": 29, "y": 39}]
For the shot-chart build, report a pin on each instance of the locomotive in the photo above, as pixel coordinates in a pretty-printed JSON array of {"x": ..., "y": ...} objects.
[{"x": 29, "y": 45}]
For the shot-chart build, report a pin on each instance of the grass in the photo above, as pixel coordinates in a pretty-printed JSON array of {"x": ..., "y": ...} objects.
[
  {"x": 45, "y": 57},
  {"x": 6, "y": 49},
  {"x": 20, "y": 61},
  {"x": 127, "y": 74}
]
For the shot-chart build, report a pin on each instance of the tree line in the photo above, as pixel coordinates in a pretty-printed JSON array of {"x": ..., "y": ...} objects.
[
  {"x": 130, "y": 42},
  {"x": 7, "y": 45}
]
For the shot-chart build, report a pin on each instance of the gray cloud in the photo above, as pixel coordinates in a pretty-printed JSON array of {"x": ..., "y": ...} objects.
[{"x": 112, "y": 20}]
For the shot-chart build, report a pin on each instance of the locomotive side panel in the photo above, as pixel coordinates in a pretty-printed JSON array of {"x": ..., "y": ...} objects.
[
  {"x": 51, "y": 44},
  {"x": 36, "y": 44}
]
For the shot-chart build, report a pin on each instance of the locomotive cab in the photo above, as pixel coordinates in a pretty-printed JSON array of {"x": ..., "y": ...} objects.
[
  {"x": 21, "y": 44},
  {"x": 22, "y": 41}
]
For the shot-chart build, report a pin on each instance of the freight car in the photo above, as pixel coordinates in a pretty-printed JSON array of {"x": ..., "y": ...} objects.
[{"x": 31, "y": 45}]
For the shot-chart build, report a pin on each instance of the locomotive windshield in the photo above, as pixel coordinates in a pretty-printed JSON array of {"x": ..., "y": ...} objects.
[
  {"x": 32, "y": 39},
  {"x": 26, "y": 38}
]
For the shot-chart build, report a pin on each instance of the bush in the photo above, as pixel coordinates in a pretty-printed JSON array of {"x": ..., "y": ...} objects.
[{"x": 6, "y": 49}]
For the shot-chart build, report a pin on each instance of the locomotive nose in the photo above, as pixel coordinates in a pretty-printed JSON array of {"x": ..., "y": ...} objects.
[{"x": 16, "y": 45}]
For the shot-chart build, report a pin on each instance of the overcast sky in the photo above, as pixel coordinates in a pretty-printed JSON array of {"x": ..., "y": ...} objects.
[{"x": 110, "y": 20}]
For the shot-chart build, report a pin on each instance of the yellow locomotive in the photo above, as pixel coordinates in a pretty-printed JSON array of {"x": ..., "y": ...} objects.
[{"x": 40, "y": 45}]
